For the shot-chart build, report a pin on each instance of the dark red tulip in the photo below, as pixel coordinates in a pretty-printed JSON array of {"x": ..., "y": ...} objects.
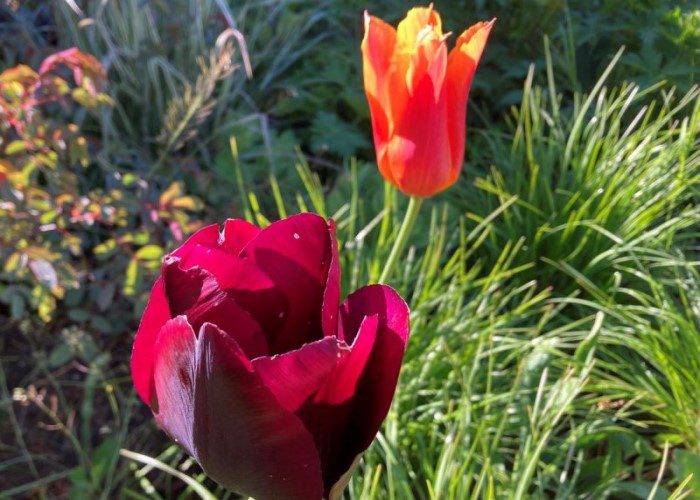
[{"x": 250, "y": 362}]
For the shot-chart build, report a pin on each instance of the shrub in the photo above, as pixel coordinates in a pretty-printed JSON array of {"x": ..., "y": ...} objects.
[{"x": 61, "y": 214}]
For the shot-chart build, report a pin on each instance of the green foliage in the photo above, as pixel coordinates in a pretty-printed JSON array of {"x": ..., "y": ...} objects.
[
  {"x": 661, "y": 37},
  {"x": 60, "y": 214},
  {"x": 39, "y": 186},
  {"x": 331, "y": 135}
]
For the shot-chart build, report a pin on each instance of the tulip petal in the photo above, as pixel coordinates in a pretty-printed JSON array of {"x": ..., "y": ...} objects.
[
  {"x": 296, "y": 253},
  {"x": 378, "y": 47},
  {"x": 202, "y": 249},
  {"x": 239, "y": 324},
  {"x": 196, "y": 294},
  {"x": 217, "y": 253},
  {"x": 156, "y": 314},
  {"x": 461, "y": 66},
  {"x": 429, "y": 58},
  {"x": 341, "y": 385},
  {"x": 342, "y": 431},
  {"x": 189, "y": 289},
  {"x": 296, "y": 375},
  {"x": 418, "y": 153},
  {"x": 331, "y": 292},
  {"x": 381, "y": 134},
  {"x": 237, "y": 234},
  {"x": 174, "y": 377},
  {"x": 191, "y": 251},
  {"x": 378, "y": 382},
  {"x": 416, "y": 21},
  {"x": 244, "y": 439}
]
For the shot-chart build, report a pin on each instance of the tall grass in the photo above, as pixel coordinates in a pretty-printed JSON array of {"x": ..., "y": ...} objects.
[
  {"x": 596, "y": 184},
  {"x": 168, "y": 94}
]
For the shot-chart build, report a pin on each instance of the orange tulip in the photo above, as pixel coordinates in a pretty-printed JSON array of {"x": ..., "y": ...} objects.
[{"x": 417, "y": 95}]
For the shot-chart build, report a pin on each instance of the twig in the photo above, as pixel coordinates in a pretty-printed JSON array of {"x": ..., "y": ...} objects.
[
  {"x": 204, "y": 493},
  {"x": 15, "y": 424}
]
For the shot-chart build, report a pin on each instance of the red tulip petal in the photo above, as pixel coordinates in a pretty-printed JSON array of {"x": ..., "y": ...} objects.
[
  {"x": 174, "y": 377},
  {"x": 244, "y": 439},
  {"x": 378, "y": 382},
  {"x": 331, "y": 293},
  {"x": 207, "y": 236},
  {"x": 461, "y": 66},
  {"x": 239, "y": 324},
  {"x": 376, "y": 386},
  {"x": 189, "y": 289},
  {"x": 196, "y": 294},
  {"x": 202, "y": 249},
  {"x": 295, "y": 253},
  {"x": 217, "y": 253},
  {"x": 237, "y": 234},
  {"x": 156, "y": 314},
  {"x": 341, "y": 384},
  {"x": 188, "y": 252},
  {"x": 296, "y": 375},
  {"x": 342, "y": 431}
]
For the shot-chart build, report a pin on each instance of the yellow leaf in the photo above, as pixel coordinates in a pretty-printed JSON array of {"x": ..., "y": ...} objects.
[{"x": 173, "y": 191}]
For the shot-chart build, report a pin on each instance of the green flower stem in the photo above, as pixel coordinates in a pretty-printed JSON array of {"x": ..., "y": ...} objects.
[{"x": 406, "y": 226}]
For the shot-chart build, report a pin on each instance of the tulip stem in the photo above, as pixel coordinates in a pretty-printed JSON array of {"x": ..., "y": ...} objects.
[{"x": 406, "y": 226}]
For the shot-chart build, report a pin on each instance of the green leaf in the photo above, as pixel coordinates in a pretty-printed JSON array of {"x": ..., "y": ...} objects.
[
  {"x": 131, "y": 278},
  {"x": 79, "y": 315},
  {"x": 17, "y": 306},
  {"x": 13, "y": 262},
  {"x": 330, "y": 134},
  {"x": 150, "y": 252},
  {"x": 102, "y": 324},
  {"x": 685, "y": 463},
  {"x": 60, "y": 355},
  {"x": 15, "y": 147},
  {"x": 106, "y": 296}
]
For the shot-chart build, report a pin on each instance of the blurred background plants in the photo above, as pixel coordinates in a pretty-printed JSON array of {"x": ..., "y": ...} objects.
[{"x": 554, "y": 289}]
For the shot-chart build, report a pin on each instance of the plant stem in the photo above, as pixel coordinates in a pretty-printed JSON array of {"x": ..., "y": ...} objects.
[{"x": 406, "y": 226}]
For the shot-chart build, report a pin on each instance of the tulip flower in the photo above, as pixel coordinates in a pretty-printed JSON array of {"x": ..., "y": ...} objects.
[
  {"x": 417, "y": 93},
  {"x": 248, "y": 360}
]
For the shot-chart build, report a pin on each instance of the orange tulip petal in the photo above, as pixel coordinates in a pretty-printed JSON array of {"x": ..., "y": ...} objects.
[
  {"x": 461, "y": 65},
  {"x": 416, "y": 20},
  {"x": 430, "y": 57},
  {"x": 419, "y": 151},
  {"x": 377, "y": 51},
  {"x": 417, "y": 94}
]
